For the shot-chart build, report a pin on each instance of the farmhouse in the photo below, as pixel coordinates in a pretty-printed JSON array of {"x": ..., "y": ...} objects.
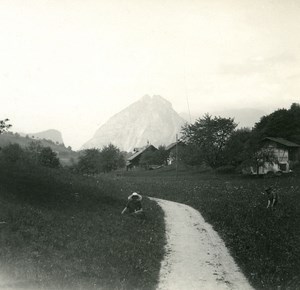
[
  {"x": 284, "y": 152},
  {"x": 134, "y": 160},
  {"x": 171, "y": 149}
]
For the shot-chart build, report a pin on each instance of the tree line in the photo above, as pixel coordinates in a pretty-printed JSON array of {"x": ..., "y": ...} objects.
[
  {"x": 94, "y": 161},
  {"x": 91, "y": 161},
  {"x": 211, "y": 141},
  {"x": 34, "y": 154},
  {"x": 216, "y": 141}
]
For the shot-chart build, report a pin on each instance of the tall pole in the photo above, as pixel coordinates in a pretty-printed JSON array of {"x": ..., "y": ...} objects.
[{"x": 176, "y": 155}]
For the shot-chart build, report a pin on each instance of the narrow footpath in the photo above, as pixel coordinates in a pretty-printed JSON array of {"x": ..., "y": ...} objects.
[{"x": 196, "y": 257}]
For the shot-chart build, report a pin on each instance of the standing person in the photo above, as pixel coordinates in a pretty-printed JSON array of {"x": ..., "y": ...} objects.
[{"x": 134, "y": 204}]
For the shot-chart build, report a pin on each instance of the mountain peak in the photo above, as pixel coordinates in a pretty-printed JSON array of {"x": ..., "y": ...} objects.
[
  {"x": 149, "y": 119},
  {"x": 51, "y": 134},
  {"x": 146, "y": 98},
  {"x": 155, "y": 99}
]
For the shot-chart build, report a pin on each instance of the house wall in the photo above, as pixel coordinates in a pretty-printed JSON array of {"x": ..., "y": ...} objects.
[
  {"x": 286, "y": 157},
  {"x": 280, "y": 152},
  {"x": 282, "y": 155},
  {"x": 285, "y": 154},
  {"x": 269, "y": 167}
]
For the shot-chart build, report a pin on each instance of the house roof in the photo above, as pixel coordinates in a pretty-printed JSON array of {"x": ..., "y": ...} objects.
[
  {"x": 132, "y": 157},
  {"x": 172, "y": 145},
  {"x": 282, "y": 141}
]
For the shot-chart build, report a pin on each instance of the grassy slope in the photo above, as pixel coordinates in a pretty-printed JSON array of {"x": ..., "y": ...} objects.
[
  {"x": 53, "y": 240},
  {"x": 264, "y": 243},
  {"x": 66, "y": 156}
]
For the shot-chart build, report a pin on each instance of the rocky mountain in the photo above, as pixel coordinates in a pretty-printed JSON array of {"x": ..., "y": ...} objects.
[
  {"x": 51, "y": 134},
  {"x": 151, "y": 119}
]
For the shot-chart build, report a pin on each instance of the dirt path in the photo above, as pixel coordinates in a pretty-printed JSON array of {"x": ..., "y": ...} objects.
[{"x": 196, "y": 257}]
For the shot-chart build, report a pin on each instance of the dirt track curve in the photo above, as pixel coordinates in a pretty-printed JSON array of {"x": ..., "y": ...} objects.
[{"x": 196, "y": 257}]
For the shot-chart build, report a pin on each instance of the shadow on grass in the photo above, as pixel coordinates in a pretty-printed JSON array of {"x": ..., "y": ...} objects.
[{"x": 56, "y": 239}]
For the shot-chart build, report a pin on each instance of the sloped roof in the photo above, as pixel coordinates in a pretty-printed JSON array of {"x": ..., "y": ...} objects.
[
  {"x": 172, "y": 145},
  {"x": 282, "y": 141},
  {"x": 139, "y": 153}
]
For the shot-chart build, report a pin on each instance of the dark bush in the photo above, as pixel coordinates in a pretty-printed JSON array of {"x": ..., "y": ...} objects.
[
  {"x": 48, "y": 158},
  {"x": 12, "y": 153}
]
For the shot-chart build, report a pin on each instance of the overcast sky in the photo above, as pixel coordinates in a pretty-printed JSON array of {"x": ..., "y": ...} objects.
[{"x": 70, "y": 65}]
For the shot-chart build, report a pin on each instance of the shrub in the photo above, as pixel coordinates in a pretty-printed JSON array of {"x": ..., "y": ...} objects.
[
  {"x": 12, "y": 153},
  {"x": 48, "y": 158}
]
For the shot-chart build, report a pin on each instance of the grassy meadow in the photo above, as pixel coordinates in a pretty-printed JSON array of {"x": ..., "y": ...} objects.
[
  {"x": 65, "y": 231},
  {"x": 264, "y": 243}
]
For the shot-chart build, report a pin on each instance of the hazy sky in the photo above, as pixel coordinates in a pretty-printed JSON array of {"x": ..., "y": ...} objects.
[{"x": 70, "y": 65}]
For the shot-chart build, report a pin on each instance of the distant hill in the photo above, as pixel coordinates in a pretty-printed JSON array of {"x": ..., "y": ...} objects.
[
  {"x": 150, "y": 119},
  {"x": 245, "y": 117},
  {"x": 51, "y": 134},
  {"x": 66, "y": 155}
]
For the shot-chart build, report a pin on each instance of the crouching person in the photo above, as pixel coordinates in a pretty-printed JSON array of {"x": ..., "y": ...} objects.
[{"x": 134, "y": 205}]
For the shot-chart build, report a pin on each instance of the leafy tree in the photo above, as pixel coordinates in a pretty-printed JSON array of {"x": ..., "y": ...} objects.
[
  {"x": 34, "y": 154},
  {"x": 209, "y": 135},
  {"x": 284, "y": 123},
  {"x": 12, "y": 153},
  {"x": 48, "y": 158},
  {"x": 111, "y": 158},
  {"x": 260, "y": 157},
  {"x": 238, "y": 147},
  {"x": 34, "y": 150},
  {"x": 190, "y": 154},
  {"x": 94, "y": 161},
  {"x": 4, "y": 126},
  {"x": 122, "y": 159},
  {"x": 161, "y": 155},
  {"x": 90, "y": 161}
]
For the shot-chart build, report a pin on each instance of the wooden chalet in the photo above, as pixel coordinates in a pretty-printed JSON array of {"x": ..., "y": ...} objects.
[
  {"x": 286, "y": 153},
  {"x": 134, "y": 160}
]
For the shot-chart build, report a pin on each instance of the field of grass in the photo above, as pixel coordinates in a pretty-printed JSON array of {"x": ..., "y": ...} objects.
[
  {"x": 264, "y": 243},
  {"x": 56, "y": 239}
]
